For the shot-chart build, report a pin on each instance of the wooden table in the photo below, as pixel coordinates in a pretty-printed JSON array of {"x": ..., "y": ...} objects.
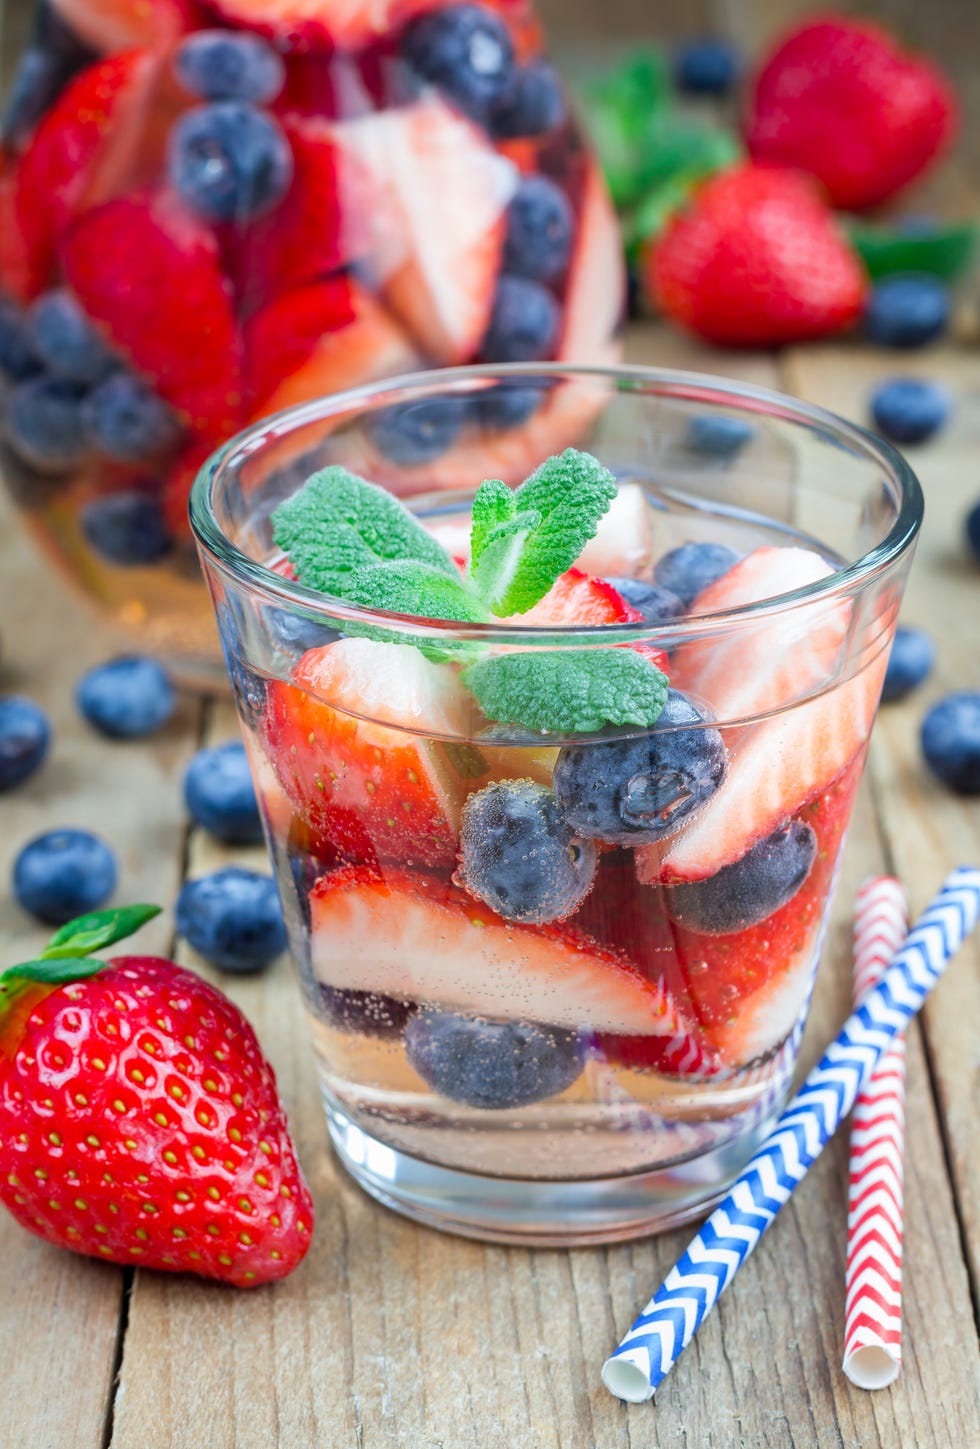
[{"x": 392, "y": 1335}]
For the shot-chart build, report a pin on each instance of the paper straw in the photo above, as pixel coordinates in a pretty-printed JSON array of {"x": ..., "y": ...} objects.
[
  {"x": 873, "y": 1311},
  {"x": 674, "y": 1314}
]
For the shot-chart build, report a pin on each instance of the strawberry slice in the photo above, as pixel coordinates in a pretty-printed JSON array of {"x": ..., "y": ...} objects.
[
  {"x": 595, "y": 296},
  {"x": 777, "y": 767},
  {"x": 443, "y": 192},
  {"x": 113, "y": 25},
  {"x": 330, "y": 349},
  {"x": 349, "y": 740},
  {"x": 328, "y": 24},
  {"x": 322, "y": 223},
  {"x": 149, "y": 271},
  {"x": 577, "y": 599},
  {"x": 782, "y": 658},
  {"x": 425, "y": 940},
  {"x": 280, "y": 339},
  {"x": 97, "y": 116}
]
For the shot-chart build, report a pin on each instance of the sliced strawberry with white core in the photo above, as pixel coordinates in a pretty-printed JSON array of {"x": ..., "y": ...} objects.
[
  {"x": 365, "y": 787},
  {"x": 114, "y": 25},
  {"x": 766, "y": 1018},
  {"x": 775, "y": 767},
  {"x": 775, "y": 660},
  {"x": 576, "y": 599},
  {"x": 595, "y": 297},
  {"x": 442, "y": 194},
  {"x": 623, "y": 542},
  {"x": 423, "y": 940}
]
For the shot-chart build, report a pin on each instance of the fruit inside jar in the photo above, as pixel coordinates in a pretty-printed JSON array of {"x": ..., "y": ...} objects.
[
  {"x": 529, "y": 955},
  {"x": 214, "y": 209}
]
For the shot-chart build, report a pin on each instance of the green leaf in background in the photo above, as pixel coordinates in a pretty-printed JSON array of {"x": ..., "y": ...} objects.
[
  {"x": 944, "y": 251},
  {"x": 620, "y": 107}
]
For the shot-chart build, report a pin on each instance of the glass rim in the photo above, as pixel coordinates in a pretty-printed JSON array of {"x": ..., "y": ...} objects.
[{"x": 707, "y": 388}]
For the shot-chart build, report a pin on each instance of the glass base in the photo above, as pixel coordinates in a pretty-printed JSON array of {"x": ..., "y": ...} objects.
[{"x": 541, "y": 1214}]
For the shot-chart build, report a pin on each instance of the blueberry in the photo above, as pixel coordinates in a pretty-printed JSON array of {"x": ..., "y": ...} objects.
[
  {"x": 531, "y": 104},
  {"x": 909, "y": 409},
  {"x": 24, "y": 738},
  {"x": 749, "y": 890},
  {"x": 64, "y": 873},
  {"x": 222, "y": 65},
  {"x": 54, "y": 54},
  {"x": 705, "y": 67},
  {"x": 233, "y": 918},
  {"x": 126, "y": 698},
  {"x": 508, "y": 404},
  {"x": 229, "y": 161},
  {"x": 950, "y": 737},
  {"x": 972, "y": 529},
  {"x": 18, "y": 355},
  {"x": 524, "y": 322},
  {"x": 127, "y": 528},
  {"x": 657, "y": 605},
  {"x": 907, "y": 311},
  {"x": 909, "y": 663},
  {"x": 716, "y": 436},
  {"x": 416, "y": 432},
  {"x": 466, "y": 51},
  {"x": 492, "y": 1064},
  {"x": 519, "y": 856},
  {"x": 366, "y": 1012},
  {"x": 635, "y": 791},
  {"x": 67, "y": 342},
  {"x": 294, "y": 634},
  {"x": 686, "y": 570},
  {"x": 44, "y": 424},
  {"x": 128, "y": 422},
  {"x": 248, "y": 688},
  {"x": 220, "y": 796},
  {"x": 540, "y": 224}
]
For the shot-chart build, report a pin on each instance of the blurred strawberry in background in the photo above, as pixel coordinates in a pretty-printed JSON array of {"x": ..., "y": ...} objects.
[
  {"x": 844, "y": 101},
  {"x": 756, "y": 259}
]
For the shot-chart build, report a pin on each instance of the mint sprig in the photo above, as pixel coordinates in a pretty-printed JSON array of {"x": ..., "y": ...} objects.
[
  {"x": 348, "y": 537},
  {"x": 552, "y": 516},
  {"x": 568, "y": 691}
]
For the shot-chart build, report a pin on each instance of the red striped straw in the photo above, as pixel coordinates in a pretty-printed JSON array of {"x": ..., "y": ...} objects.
[{"x": 873, "y": 1323}]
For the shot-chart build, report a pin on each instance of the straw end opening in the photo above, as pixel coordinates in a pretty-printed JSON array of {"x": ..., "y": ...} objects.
[
  {"x": 871, "y": 1367},
  {"x": 626, "y": 1380}
]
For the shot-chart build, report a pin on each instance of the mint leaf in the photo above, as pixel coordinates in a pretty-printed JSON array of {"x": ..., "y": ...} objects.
[
  {"x": 406, "y": 586},
  {"x": 493, "y": 504},
  {"x": 338, "y": 523},
  {"x": 568, "y": 691},
  {"x": 500, "y": 557},
  {"x": 98, "y": 928},
  {"x": 53, "y": 973},
  {"x": 571, "y": 492}
]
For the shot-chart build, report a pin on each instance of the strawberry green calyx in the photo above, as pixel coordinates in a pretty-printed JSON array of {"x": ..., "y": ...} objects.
[{"x": 67, "y": 957}]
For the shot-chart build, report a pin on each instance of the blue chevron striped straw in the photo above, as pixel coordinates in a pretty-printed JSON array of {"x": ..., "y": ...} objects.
[{"x": 692, "y": 1288}]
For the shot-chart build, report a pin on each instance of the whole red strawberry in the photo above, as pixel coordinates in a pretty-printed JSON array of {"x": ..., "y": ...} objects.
[
  {"x": 841, "y": 100},
  {"x": 756, "y": 260},
  {"x": 139, "y": 1120}
]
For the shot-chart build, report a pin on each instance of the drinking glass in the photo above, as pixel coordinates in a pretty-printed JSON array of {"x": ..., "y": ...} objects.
[{"x": 605, "y": 1073}]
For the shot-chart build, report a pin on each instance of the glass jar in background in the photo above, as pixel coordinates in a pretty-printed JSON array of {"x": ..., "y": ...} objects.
[{"x": 211, "y": 211}]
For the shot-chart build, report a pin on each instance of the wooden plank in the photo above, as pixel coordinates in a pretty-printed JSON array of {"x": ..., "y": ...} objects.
[
  {"x": 58, "y": 1308},
  {"x": 930, "y": 829}
]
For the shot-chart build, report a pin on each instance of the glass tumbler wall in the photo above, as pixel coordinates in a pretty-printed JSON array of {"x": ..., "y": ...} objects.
[
  {"x": 605, "y": 1070},
  {"x": 211, "y": 211}
]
